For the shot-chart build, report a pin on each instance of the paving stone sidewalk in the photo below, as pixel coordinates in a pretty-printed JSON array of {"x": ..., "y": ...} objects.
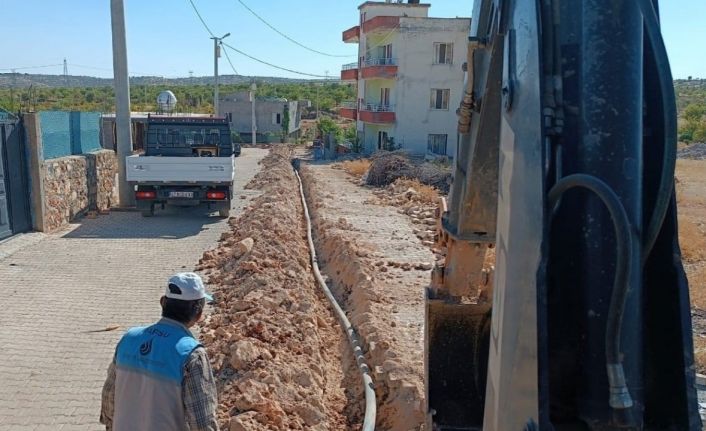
[{"x": 60, "y": 292}]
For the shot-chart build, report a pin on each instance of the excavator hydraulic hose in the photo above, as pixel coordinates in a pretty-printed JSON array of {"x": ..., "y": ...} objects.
[{"x": 619, "y": 395}]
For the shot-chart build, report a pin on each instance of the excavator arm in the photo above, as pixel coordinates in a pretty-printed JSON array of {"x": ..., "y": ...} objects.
[{"x": 562, "y": 303}]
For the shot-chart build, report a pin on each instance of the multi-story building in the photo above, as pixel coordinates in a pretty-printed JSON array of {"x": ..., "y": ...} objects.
[
  {"x": 409, "y": 77},
  {"x": 272, "y": 116}
]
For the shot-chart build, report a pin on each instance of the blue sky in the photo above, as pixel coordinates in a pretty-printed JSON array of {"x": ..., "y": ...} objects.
[{"x": 166, "y": 39}]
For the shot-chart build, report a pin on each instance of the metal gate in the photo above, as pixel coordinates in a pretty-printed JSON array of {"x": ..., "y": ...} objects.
[{"x": 15, "y": 216}]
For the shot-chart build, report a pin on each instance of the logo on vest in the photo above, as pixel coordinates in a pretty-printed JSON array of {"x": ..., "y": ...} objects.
[{"x": 146, "y": 347}]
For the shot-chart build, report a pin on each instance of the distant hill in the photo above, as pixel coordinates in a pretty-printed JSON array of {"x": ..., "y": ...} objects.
[
  {"x": 690, "y": 92},
  {"x": 24, "y": 80}
]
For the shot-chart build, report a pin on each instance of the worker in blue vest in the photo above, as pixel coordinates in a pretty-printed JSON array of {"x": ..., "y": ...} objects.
[{"x": 160, "y": 377}]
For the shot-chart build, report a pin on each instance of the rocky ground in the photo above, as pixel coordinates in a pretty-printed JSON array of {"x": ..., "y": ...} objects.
[
  {"x": 378, "y": 269},
  {"x": 691, "y": 201},
  {"x": 280, "y": 358},
  {"x": 693, "y": 152}
]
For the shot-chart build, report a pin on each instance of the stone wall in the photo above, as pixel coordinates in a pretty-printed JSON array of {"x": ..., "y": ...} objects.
[
  {"x": 106, "y": 174},
  {"x": 74, "y": 185}
]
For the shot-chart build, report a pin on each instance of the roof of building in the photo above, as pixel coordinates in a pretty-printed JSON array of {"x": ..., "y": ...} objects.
[
  {"x": 379, "y": 3},
  {"x": 144, "y": 115}
]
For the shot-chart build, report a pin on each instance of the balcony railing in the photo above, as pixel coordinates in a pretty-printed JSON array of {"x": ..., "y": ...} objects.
[
  {"x": 370, "y": 61},
  {"x": 349, "y": 104},
  {"x": 350, "y": 66},
  {"x": 377, "y": 107}
]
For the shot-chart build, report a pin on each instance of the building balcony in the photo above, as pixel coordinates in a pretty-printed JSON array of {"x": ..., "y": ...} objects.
[
  {"x": 349, "y": 109},
  {"x": 383, "y": 68},
  {"x": 349, "y": 72},
  {"x": 352, "y": 35},
  {"x": 376, "y": 113},
  {"x": 381, "y": 23}
]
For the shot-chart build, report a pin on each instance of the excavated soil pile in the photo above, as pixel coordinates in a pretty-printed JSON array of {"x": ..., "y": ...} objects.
[
  {"x": 386, "y": 167},
  {"x": 276, "y": 347}
]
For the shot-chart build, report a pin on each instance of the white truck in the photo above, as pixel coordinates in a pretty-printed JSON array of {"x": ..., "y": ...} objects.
[{"x": 188, "y": 161}]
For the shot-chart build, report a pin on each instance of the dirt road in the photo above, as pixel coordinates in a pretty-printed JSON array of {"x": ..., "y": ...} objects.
[{"x": 691, "y": 200}]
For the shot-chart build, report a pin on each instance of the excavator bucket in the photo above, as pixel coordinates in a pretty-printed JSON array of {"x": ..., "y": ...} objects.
[{"x": 457, "y": 350}]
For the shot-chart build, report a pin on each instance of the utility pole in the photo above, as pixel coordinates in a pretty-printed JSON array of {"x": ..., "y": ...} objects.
[
  {"x": 217, "y": 42},
  {"x": 123, "y": 125},
  {"x": 66, "y": 74},
  {"x": 12, "y": 89},
  {"x": 253, "y": 123}
]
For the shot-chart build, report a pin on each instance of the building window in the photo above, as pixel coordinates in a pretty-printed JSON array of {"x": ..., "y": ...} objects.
[
  {"x": 276, "y": 118},
  {"x": 443, "y": 53},
  {"x": 439, "y": 98},
  {"x": 437, "y": 144}
]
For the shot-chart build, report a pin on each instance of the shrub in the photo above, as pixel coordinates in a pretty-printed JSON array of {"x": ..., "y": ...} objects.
[{"x": 356, "y": 168}]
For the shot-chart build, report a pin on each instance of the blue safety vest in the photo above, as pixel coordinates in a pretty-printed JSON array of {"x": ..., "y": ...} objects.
[{"x": 149, "y": 375}]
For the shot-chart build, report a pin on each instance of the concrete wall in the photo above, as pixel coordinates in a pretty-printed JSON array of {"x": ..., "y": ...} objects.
[
  {"x": 372, "y": 10},
  {"x": 417, "y": 75},
  {"x": 239, "y": 107},
  {"x": 63, "y": 188}
]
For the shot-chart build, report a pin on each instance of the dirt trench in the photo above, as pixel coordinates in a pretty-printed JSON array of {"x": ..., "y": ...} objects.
[
  {"x": 378, "y": 269},
  {"x": 280, "y": 358}
]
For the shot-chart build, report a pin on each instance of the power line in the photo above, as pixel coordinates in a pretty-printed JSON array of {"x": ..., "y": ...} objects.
[
  {"x": 287, "y": 37},
  {"x": 208, "y": 29},
  {"x": 201, "y": 19},
  {"x": 33, "y": 67},
  {"x": 229, "y": 62},
  {"x": 273, "y": 65}
]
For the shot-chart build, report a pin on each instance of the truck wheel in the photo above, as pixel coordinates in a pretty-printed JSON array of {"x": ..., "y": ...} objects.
[
  {"x": 149, "y": 212},
  {"x": 224, "y": 212}
]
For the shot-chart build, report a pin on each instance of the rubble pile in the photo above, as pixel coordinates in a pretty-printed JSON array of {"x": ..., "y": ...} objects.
[
  {"x": 386, "y": 167},
  {"x": 276, "y": 348},
  {"x": 693, "y": 152},
  {"x": 415, "y": 200}
]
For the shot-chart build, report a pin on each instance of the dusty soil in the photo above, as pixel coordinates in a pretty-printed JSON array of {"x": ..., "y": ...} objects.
[
  {"x": 281, "y": 360},
  {"x": 691, "y": 201},
  {"x": 378, "y": 270}
]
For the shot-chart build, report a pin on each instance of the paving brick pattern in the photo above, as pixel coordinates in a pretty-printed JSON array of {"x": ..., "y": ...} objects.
[{"x": 60, "y": 292}]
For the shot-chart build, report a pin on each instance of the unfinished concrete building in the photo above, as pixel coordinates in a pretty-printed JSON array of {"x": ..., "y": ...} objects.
[{"x": 275, "y": 118}]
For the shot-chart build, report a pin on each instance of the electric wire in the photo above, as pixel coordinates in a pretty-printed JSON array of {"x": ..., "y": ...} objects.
[
  {"x": 33, "y": 67},
  {"x": 289, "y": 38},
  {"x": 208, "y": 29},
  {"x": 225, "y": 52},
  {"x": 273, "y": 65},
  {"x": 198, "y": 14}
]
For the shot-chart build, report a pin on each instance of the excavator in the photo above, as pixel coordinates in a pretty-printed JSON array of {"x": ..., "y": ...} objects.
[{"x": 561, "y": 303}]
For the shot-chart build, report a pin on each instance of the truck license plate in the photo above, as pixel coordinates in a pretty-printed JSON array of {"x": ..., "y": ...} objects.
[{"x": 181, "y": 194}]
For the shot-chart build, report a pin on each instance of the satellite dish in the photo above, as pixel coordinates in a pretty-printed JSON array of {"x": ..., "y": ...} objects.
[{"x": 166, "y": 101}]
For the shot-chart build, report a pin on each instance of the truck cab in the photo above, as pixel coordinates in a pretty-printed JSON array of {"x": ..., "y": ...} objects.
[{"x": 188, "y": 161}]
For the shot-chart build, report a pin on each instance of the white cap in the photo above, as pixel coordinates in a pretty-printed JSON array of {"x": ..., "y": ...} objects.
[{"x": 189, "y": 287}]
